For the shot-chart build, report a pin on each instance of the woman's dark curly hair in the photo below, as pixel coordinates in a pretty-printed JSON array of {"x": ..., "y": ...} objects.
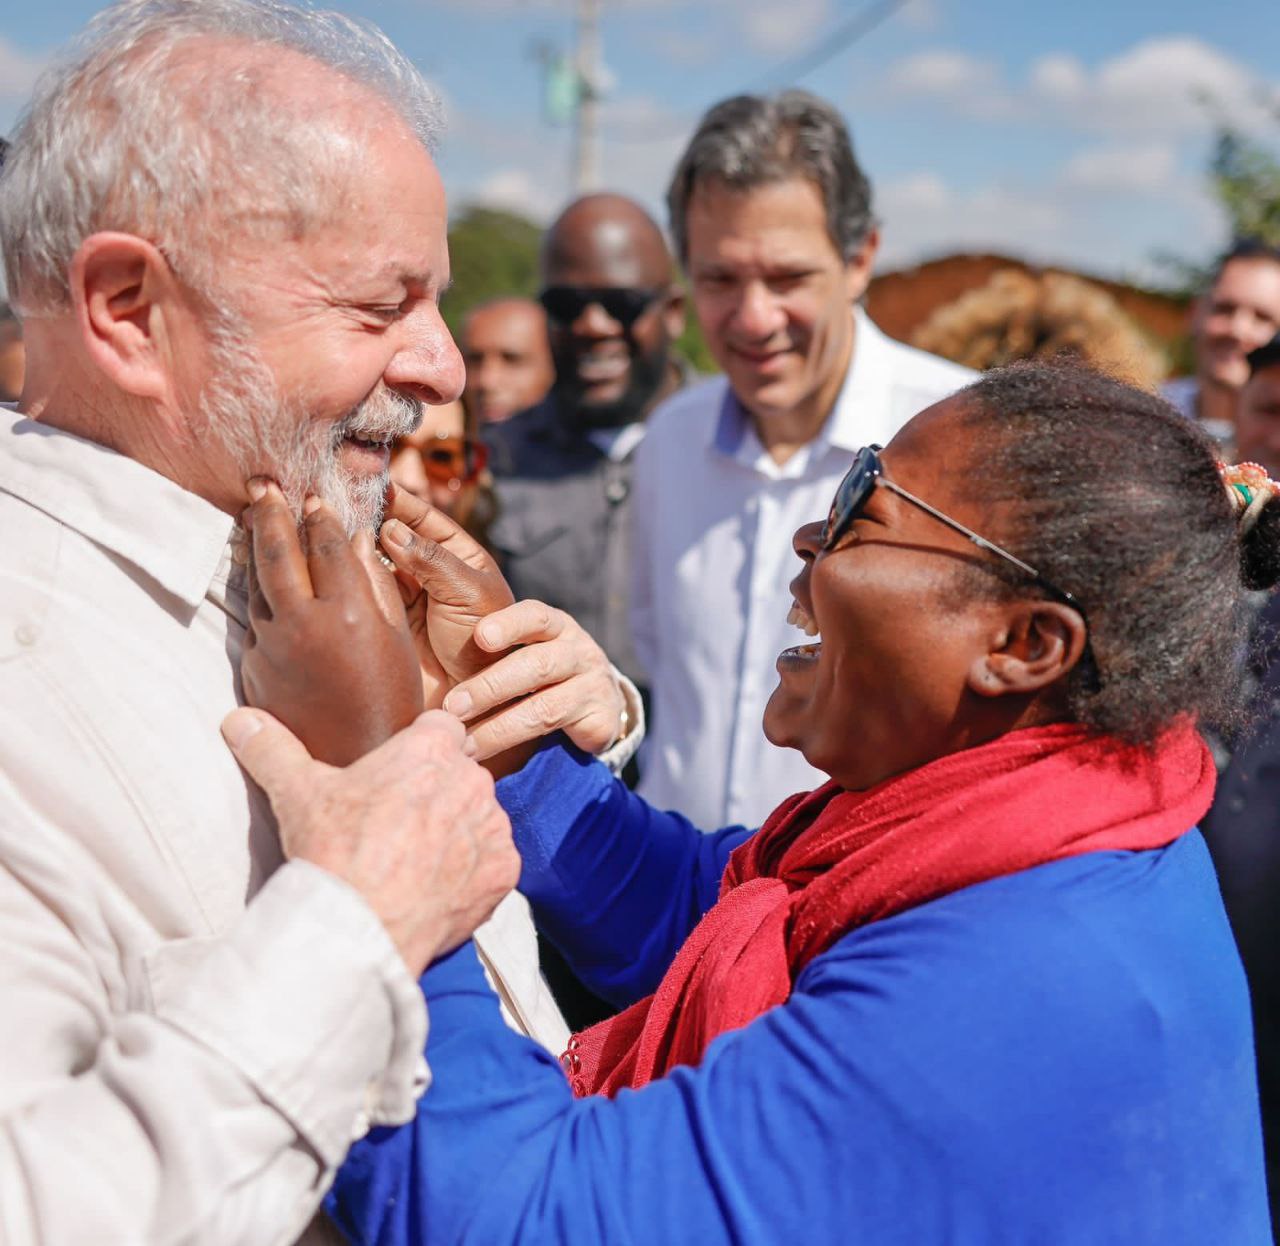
[{"x": 1116, "y": 497}]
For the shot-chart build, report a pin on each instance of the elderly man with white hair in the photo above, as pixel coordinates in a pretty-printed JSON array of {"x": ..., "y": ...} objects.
[{"x": 225, "y": 235}]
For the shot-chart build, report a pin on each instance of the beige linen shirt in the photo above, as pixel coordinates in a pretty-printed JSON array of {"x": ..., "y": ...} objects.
[{"x": 191, "y": 1032}]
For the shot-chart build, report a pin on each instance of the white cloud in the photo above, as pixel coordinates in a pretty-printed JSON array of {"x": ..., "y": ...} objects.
[
  {"x": 1162, "y": 87},
  {"x": 18, "y": 73},
  {"x": 923, "y": 15},
  {"x": 1171, "y": 85},
  {"x": 18, "y": 70},
  {"x": 1144, "y": 168},
  {"x": 517, "y": 190},
  {"x": 943, "y": 73},
  {"x": 782, "y": 28}
]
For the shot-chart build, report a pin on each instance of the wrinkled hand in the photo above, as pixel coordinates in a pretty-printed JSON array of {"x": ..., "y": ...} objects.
[
  {"x": 559, "y": 681},
  {"x": 414, "y": 826},
  {"x": 449, "y": 583},
  {"x": 327, "y": 654}
]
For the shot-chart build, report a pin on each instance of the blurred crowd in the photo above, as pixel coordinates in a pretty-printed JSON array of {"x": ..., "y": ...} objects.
[{"x": 1025, "y": 1024}]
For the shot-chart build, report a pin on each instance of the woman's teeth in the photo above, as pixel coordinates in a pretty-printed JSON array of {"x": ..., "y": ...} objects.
[{"x": 799, "y": 617}]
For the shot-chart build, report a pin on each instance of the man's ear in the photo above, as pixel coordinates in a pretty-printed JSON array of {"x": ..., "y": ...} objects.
[
  {"x": 123, "y": 293},
  {"x": 673, "y": 312},
  {"x": 1039, "y": 643},
  {"x": 857, "y": 269}
]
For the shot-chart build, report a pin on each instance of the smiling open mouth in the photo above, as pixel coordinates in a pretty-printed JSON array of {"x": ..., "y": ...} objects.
[{"x": 799, "y": 617}]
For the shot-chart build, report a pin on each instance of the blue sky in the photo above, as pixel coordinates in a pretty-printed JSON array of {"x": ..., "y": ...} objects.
[{"x": 1061, "y": 132}]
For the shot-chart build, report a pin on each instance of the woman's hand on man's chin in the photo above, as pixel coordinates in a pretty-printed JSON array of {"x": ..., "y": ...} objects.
[{"x": 345, "y": 660}]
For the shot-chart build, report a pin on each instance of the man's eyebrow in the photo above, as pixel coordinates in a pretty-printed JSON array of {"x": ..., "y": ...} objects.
[{"x": 405, "y": 274}]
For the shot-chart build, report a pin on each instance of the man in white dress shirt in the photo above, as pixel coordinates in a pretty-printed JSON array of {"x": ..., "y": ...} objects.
[
  {"x": 772, "y": 219},
  {"x": 226, "y": 237}
]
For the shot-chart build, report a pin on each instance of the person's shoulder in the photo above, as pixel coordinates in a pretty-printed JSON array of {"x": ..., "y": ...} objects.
[
  {"x": 511, "y": 441},
  {"x": 692, "y": 410},
  {"x": 1087, "y": 912}
]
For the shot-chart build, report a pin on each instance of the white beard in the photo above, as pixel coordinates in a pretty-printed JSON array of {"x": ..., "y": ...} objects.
[{"x": 244, "y": 410}]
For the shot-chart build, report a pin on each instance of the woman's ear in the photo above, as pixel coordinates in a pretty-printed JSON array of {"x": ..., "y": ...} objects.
[{"x": 1038, "y": 644}]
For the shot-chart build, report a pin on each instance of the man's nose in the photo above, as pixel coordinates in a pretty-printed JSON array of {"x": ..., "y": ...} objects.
[
  {"x": 758, "y": 314},
  {"x": 427, "y": 363},
  {"x": 594, "y": 321}
]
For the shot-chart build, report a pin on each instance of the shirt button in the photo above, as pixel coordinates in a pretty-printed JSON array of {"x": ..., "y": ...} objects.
[
  {"x": 1237, "y": 804},
  {"x": 26, "y": 633}
]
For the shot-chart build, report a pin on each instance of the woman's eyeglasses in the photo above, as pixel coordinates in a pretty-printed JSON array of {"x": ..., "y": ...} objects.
[
  {"x": 564, "y": 304},
  {"x": 453, "y": 461},
  {"x": 851, "y": 498}
]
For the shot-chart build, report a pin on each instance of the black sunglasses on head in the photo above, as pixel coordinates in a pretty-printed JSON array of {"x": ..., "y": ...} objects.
[
  {"x": 854, "y": 490},
  {"x": 564, "y": 304}
]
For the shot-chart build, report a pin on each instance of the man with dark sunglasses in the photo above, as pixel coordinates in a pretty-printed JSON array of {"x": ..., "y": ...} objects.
[{"x": 562, "y": 468}]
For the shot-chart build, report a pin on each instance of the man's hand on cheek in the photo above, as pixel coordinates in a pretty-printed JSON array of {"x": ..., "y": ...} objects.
[{"x": 324, "y": 654}]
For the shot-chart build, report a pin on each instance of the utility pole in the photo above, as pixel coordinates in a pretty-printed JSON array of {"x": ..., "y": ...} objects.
[{"x": 586, "y": 117}]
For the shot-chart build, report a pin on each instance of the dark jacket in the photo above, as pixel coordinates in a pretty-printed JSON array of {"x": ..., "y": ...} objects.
[
  {"x": 563, "y": 527},
  {"x": 1243, "y": 831}
]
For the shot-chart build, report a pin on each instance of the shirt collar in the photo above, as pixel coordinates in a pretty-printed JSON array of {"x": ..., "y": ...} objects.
[
  {"x": 174, "y": 537},
  {"x": 867, "y": 382},
  {"x": 617, "y": 443},
  {"x": 865, "y": 387}
]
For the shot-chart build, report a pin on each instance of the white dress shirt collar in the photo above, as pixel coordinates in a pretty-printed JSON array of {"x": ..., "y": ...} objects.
[
  {"x": 867, "y": 384},
  {"x": 174, "y": 537}
]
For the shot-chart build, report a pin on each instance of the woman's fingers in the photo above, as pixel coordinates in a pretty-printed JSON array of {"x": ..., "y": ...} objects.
[
  {"x": 279, "y": 563},
  {"x": 382, "y": 579},
  {"x": 433, "y": 524},
  {"x": 525, "y": 622},
  {"x": 334, "y": 567}
]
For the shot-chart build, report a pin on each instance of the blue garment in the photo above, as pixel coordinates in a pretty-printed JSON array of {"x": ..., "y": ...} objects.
[{"x": 1062, "y": 1056}]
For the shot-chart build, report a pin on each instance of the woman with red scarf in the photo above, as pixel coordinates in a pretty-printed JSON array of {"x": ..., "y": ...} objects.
[{"x": 979, "y": 987}]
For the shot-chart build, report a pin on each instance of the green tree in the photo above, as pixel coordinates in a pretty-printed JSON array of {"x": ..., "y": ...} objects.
[
  {"x": 492, "y": 253},
  {"x": 1246, "y": 179}
]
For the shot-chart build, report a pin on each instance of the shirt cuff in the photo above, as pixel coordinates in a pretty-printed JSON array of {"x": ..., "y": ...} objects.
[
  {"x": 309, "y": 998},
  {"x": 623, "y": 750}
]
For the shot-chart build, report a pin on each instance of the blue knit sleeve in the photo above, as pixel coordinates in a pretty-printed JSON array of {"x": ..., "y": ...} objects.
[
  {"x": 1058, "y": 1057},
  {"x": 615, "y": 884}
]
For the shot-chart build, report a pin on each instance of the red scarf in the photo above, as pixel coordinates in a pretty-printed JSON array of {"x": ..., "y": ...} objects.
[{"x": 829, "y": 861}]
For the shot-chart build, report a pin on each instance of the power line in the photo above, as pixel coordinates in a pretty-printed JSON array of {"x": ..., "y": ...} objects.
[{"x": 839, "y": 40}]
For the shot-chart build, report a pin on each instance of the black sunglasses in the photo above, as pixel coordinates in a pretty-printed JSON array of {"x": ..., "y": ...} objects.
[
  {"x": 854, "y": 490},
  {"x": 564, "y": 304}
]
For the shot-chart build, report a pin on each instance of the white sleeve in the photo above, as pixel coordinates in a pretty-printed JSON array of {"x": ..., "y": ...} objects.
[
  {"x": 644, "y": 637},
  {"x": 206, "y": 1093}
]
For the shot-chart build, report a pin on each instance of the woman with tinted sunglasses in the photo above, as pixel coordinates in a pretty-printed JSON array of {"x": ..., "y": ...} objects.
[
  {"x": 978, "y": 988},
  {"x": 444, "y": 462}
]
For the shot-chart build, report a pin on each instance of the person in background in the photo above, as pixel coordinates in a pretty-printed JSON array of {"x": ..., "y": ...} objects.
[
  {"x": 1238, "y": 312},
  {"x": 504, "y": 346},
  {"x": 12, "y": 355},
  {"x": 444, "y": 461},
  {"x": 772, "y": 219},
  {"x": 1243, "y": 827},
  {"x": 562, "y": 469}
]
